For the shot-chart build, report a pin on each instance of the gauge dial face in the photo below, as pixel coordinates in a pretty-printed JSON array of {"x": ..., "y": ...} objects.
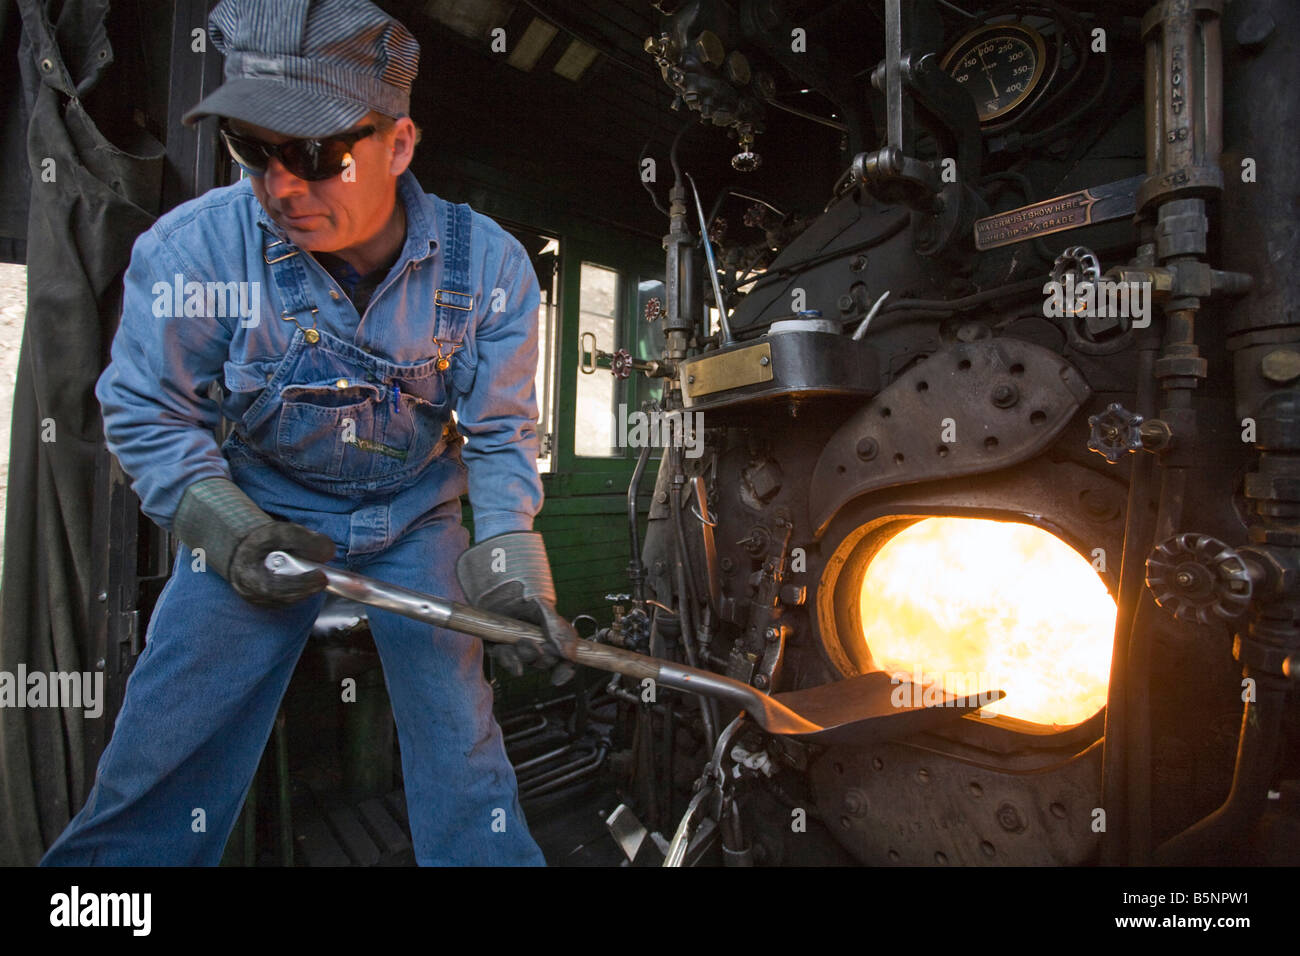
[{"x": 1000, "y": 65}]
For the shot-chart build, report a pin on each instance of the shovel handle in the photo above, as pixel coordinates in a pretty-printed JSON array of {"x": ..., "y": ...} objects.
[{"x": 461, "y": 617}]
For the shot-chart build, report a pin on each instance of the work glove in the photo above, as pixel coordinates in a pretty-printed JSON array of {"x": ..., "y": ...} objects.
[
  {"x": 509, "y": 574},
  {"x": 236, "y": 536}
]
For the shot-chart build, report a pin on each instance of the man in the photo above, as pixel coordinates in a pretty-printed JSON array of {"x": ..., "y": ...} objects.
[{"x": 346, "y": 313}]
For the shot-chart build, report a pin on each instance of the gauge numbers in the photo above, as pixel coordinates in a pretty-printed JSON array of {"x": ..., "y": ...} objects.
[{"x": 999, "y": 64}]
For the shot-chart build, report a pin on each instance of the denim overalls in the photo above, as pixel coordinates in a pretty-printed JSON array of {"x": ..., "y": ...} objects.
[
  {"x": 357, "y": 446},
  {"x": 342, "y": 420}
]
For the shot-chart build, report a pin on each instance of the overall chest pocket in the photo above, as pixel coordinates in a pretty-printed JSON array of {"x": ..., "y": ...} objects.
[
  {"x": 317, "y": 422},
  {"x": 361, "y": 431}
]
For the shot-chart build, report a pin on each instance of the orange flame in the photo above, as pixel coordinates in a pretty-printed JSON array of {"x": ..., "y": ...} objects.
[{"x": 1005, "y": 605}]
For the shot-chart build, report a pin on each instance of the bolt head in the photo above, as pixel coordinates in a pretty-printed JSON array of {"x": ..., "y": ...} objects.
[
  {"x": 1004, "y": 396},
  {"x": 1009, "y": 818},
  {"x": 1281, "y": 366},
  {"x": 855, "y": 801},
  {"x": 1255, "y": 30}
]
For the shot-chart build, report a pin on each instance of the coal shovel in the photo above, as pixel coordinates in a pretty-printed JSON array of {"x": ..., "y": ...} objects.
[{"x": 857, "y": 710}]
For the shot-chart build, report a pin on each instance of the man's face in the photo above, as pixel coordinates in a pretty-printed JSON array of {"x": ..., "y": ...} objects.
[{"x": 337, "y": 213}]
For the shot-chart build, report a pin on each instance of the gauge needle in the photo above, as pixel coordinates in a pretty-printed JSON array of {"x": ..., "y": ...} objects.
[{"x": 987, "y": 74}]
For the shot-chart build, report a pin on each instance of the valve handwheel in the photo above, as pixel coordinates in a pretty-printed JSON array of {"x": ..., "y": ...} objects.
[
  {"x": 1199, "y": 578},
  {"x": 1086, "y": 267},
  {"x": 1115, "y": 432},
  {"x": 621, "y": 363}
]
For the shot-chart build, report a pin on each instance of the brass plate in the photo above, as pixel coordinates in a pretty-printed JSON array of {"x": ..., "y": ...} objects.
[
  {"x": 1082, "y": 207},
  {"x": 717, "y": 373}
]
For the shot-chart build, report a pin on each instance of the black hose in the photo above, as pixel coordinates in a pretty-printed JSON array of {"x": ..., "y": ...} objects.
[
  {"x": 913, "y": 309},
  {"x": 967, "y": 301},
  {"x": 1045, "y": 133},
  {"x": 732, "y": 191},
  {"x": 891, "y": 230},
  {"x": 653, "y": 198},
  {"x": 672, "y": 154}
]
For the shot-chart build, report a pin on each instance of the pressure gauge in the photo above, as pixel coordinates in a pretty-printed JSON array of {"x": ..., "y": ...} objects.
[{"x": 1000, "y": 64}]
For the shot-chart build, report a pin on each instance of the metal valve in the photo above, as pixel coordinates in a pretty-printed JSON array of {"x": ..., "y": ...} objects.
[
  {"x": 621, "y": 362},
  {"x": 1083, "y": 263},
  {"x": 1199, "y": 578},
  {"x": 746, "y": 161},
  {"x": 1115, "y": 432}
]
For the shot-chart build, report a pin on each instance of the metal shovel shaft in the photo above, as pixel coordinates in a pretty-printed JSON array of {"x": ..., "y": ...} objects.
[{"x": 772, "y": 715}]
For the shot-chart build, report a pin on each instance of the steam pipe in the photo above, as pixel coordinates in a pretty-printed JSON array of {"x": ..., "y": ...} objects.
[
  {"x": 1137, "y": 750},
  {"x": 685, "y": 598},
  {"x": 635, "y": 569},
  {"x": 646, "y": 751},
  {"x": 1131, "y": 587},
  {"x": 1183, "y": 95},
  {"x": 669, "y": 757},
  {"x": 731, "y": 191},
  {"x": 724, "y": 324},
  {"x": 1261, "y": 722},
  {"x": 679, "y": 530},
  {"x": 1268, "y": 646},
  {"x": 677, "y": 320}
]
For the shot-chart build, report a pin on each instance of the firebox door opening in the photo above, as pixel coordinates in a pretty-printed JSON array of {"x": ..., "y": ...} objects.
[{"x": 973, "y": 605}]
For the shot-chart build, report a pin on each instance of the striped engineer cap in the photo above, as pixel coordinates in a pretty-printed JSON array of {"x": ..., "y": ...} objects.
[{"x": 308, "y": 68}]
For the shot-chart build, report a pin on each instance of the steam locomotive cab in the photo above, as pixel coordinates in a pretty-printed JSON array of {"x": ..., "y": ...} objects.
[{"x": 982, "y": 425}]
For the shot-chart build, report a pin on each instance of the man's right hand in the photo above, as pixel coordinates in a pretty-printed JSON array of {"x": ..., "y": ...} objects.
[
  {"x": 236, "y": 536},
  {"x": 256, "y": 584}
]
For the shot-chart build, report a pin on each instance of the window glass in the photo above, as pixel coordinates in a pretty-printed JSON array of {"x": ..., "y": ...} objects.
[{"x": 598, "y": 308}]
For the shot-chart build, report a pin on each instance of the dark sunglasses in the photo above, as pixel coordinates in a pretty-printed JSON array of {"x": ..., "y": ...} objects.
[{"x": 310, "y": 159}]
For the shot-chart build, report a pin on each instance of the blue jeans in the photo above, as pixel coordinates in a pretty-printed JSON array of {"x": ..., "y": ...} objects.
[{"x": 203, "y": 696}]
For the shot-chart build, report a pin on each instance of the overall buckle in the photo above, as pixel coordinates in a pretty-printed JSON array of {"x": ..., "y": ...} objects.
[
  {"x": 439, "y": 300},
  {"x": 267, "y": 248}
]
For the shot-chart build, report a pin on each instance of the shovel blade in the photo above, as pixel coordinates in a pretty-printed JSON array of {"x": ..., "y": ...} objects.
[{"x": 871, "y": 707}]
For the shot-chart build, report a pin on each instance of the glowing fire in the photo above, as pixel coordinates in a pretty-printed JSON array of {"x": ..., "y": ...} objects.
[{"x": 1007, "y": 605}]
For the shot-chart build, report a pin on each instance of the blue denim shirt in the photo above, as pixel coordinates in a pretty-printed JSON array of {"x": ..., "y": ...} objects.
[{"x": 277, "y": 362}]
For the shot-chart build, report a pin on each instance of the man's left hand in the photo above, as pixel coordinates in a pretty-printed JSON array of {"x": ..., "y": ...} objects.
[{"x": 510, "y": 574}]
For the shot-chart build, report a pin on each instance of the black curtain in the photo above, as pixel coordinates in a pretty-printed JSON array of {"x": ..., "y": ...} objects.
[{"x": 88, "y": 198}]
